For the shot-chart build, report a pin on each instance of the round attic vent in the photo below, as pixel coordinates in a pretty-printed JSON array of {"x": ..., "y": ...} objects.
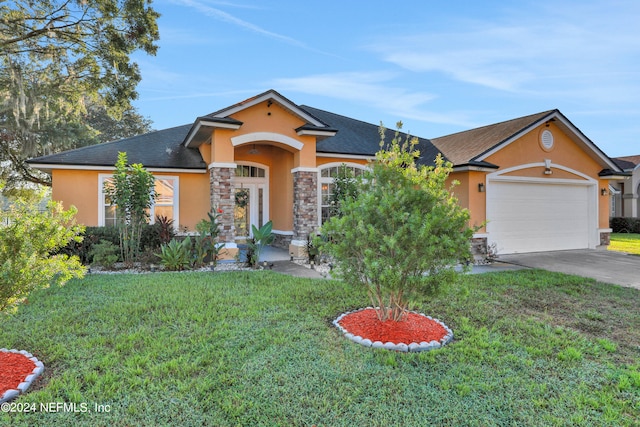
[{"x": 546, "y": 139}]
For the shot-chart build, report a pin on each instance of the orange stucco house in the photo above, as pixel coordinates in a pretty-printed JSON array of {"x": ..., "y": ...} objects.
[{"x": 537, "y": 182}]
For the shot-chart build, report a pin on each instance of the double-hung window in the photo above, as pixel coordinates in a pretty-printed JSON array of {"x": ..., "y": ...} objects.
[{"x": 165, "y": 204}]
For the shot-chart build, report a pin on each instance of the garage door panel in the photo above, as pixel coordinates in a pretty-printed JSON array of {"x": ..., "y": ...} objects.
[{"x": 531, "y": 217}]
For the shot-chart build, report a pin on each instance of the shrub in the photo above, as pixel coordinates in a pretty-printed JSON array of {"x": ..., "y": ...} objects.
[
  {"x": 176, "y": 255},
  {"x": 261, "y": 237},
  {"x": 625, "y": 225},
  {"x": 155, "y": 235},
  {"x": 403, "y": 233},
  {"x": 104, "y": 253},
  {"x": 29, "y": 244},
  {"x": 206, "y": 246}
]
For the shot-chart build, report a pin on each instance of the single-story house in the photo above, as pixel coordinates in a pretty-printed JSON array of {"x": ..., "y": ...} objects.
[
  {"x": 536, "y": 182},
  {"x": 625, "y": 193}
]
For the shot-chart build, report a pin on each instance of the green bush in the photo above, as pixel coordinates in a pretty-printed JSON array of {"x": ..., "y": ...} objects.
[
  {"x": 402, "y": 233},
  {"x": 625, "y": 225},
  {"x": 261, "y": 237},
  {"x": 176, "y": 255},
  {"x": 105, "y": 253},
  {"x": 29, "y": 244},
  {"x": 206, "y": 245}
]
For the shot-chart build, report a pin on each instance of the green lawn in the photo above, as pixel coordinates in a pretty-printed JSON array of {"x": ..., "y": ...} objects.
[
  {"x": 625, "y": 242},
  {"x": 257, "y": 348}
]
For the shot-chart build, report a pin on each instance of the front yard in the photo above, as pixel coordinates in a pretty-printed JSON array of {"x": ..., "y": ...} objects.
[
  {"x": 257, "y": 348},
  {"x": 625, "y": 242}
]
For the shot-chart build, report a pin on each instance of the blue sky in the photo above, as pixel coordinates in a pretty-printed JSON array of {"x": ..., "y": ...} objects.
[{"x": 439, "y": 67}]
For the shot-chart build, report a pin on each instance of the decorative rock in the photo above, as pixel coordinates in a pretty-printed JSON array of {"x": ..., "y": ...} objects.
[
  {"x": 404, "y": 347},
  {"x": 9, "y": 395},
  {"x": 23, "y": 386}
]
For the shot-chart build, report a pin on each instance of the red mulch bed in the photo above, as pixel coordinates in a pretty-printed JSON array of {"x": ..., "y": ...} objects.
[
  {"x": 415, "y": 328},
  {"x": 14, "y": 369}
]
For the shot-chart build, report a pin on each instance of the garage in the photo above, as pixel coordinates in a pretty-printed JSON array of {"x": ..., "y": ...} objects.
[{"x": 525, "y": 216}]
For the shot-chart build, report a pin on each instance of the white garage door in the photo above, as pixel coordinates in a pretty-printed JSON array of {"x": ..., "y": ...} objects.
[{"x": 534, "y": 217}]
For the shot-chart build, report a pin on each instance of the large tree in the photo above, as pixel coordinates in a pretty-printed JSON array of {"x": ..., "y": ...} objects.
[{"x": 59, "y": 56}]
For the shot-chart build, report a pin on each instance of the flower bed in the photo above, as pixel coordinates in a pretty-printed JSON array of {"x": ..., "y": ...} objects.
[
  {"x": 18, "y": 370},
  {"x": 417, "y": 332}
]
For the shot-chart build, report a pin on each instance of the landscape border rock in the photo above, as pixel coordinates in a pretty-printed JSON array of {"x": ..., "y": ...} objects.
[
  {"x": 412, "y": 347},
  {"x": 23, "y": 386}
]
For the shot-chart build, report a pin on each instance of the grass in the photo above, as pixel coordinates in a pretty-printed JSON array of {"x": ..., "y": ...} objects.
[
  {"x": 625, "y": 242},
  {"x": 257, "y": 348}
]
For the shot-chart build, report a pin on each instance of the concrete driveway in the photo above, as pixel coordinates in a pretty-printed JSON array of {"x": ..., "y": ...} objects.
[{"x": 605, "y": 266}]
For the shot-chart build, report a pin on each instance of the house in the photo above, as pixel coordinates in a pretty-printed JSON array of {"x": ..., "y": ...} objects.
[
  {"x": 534, "y": 183},
  {"x": 625, "y": 193}
]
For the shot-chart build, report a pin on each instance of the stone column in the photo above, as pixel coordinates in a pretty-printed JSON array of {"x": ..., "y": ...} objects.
[
  {"x": 305, "y": 209},
  {"x": 223, "y": 202}
]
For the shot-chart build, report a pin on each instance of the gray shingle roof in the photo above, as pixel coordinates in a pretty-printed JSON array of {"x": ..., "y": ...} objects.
[
  {"x": 158, "y": 149},
  {"x": 165, "y": 148},
  {"x": 464, "y": 147},
  {"x": 356, "y": 137},
  {"x": 627, "y": 162}
]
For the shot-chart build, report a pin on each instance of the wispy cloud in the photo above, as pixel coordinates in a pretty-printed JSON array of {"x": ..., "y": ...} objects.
[
  {"x": 373, "y": 89},
  {"x": 223, "y": 16},
  {"x": 589, "y": 52}
]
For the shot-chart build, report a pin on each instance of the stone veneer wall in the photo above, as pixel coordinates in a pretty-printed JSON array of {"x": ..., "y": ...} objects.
[
  {"x": 305, "y": 204},
  {"x": 223, "y": 199},
  {"x": 605, "y": 238}
]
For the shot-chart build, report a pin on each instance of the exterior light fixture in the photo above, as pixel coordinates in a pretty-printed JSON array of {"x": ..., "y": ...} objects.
[
  {"x": 481, "y": 187},
  {"x": 547, "y": 167},
  {"x": 603, "y": 191}
]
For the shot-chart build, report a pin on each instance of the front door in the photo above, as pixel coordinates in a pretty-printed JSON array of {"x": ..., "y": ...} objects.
[{"x": 251, "y": 200}]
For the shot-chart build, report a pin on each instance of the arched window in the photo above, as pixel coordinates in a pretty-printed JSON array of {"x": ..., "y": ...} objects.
[{"x": 326, "y": 186}]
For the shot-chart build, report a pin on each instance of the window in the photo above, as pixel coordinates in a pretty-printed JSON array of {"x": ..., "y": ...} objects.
[
  {"x": 166, "y": 203},
  {"x": 250, "y": 171},
  {"x": 326, "y": 187}
]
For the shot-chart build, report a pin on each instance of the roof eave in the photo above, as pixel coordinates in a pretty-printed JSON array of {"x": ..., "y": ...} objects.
[{"x": 200, "y": 132}]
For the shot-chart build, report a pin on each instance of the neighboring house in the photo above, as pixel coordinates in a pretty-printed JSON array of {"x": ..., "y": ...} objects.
[
  {"x": 625, "y": 193},
  {"x": 537, "y": 182}
]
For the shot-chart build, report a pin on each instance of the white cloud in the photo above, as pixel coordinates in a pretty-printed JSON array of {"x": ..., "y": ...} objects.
[
  {"x": 587, "y": 52},
  {"x": 371, "y": 89}
]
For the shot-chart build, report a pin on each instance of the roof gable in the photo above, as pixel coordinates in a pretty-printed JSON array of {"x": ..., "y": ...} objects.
[
  {"x": 203, "y": 125},
  {"x": 466, "y": 146},
  {"x": 476, "y": 145}
]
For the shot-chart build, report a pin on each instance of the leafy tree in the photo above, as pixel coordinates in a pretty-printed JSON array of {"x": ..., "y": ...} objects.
[
  {"x": 77, "y": 44},
  {"x": 132, "y": 192},
  {"x": 29, "y": 240},
  {"x": 56, "y": 58},
  {"x": 404, "y": 232}
]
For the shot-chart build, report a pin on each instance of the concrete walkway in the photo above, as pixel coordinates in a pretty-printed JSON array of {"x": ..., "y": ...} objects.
[
  {"x": 282, "y": 263},
  {"x": 602, "y": 265}
]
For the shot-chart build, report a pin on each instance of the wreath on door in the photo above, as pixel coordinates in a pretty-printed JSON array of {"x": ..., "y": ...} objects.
[{"x": 242, "y": 197}]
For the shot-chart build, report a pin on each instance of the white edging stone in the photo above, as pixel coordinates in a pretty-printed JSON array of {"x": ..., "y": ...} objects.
[
  {"x": 404, "y": 347},
  {"x": 23, "y": 386}
]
